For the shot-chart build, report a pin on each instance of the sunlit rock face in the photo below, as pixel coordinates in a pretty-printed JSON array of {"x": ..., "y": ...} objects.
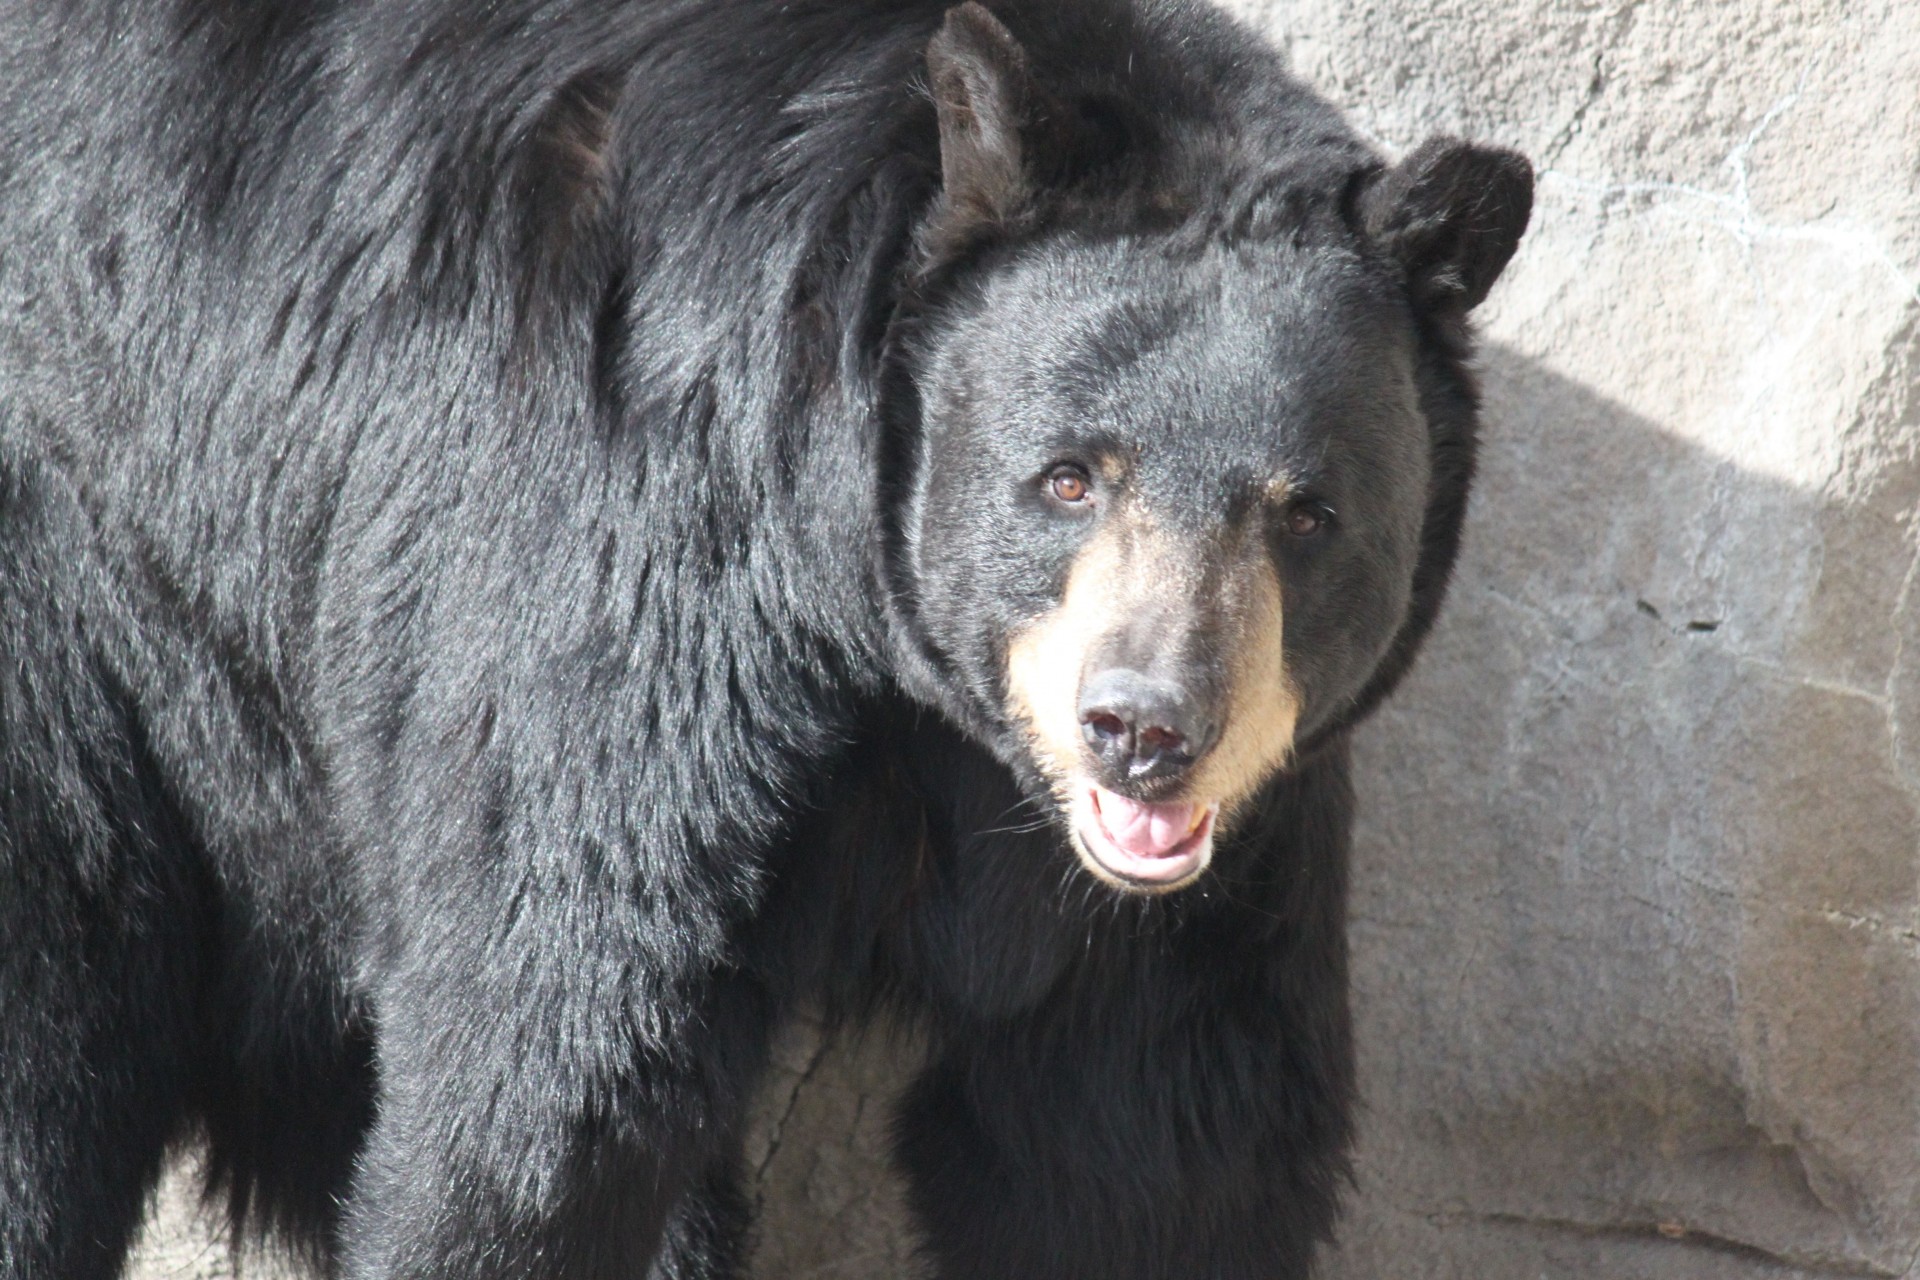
[{"x": 1637, "y": 897}]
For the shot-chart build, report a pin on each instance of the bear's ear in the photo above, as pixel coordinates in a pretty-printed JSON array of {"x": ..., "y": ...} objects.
[
  {"x": 1452, "y": 214},
  {"x": 985, "y": 98}
]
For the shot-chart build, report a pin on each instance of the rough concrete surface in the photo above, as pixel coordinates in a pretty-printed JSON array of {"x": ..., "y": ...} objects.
[{"x": 1637, "y": 900}]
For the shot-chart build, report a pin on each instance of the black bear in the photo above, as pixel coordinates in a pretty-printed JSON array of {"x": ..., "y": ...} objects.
[{"x": 535, "y": 535}]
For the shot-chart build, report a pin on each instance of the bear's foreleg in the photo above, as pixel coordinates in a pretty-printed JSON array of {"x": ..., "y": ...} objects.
[
  {"x": 103, "y": 911},
  {"x": 562, "y": 821},
  {"x": 1019, "y": 1169},
  {"x": 508, "y": 1149},
  {"x": 565, "y": 1042},
  {"x": 1179, "y": 1104}
]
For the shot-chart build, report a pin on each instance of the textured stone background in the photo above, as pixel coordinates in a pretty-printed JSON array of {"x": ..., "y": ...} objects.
[{"x": 1637, "y": 913}]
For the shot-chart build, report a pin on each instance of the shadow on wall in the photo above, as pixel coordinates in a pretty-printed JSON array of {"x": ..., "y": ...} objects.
[{"x": 1636, "y": 961}]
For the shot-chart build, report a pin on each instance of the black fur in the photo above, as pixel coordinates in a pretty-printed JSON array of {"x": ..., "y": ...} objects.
[{"x": 483, "y": 629}]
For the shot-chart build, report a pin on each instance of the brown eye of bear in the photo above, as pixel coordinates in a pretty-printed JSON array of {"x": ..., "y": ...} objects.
[
  {"x": 1305, "y": 520},
  {"x": 1069, "y": 484}
]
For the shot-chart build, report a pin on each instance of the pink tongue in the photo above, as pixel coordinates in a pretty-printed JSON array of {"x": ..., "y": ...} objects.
[{"x": 1144, "y": 830}]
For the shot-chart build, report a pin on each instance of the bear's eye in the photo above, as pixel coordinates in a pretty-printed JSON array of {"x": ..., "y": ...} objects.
[
  {"x": 1307, "y": 518},
  {"x": 1068, "y": 483}
]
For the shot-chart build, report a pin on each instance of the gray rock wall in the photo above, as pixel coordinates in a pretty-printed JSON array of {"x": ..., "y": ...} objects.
[{"x": 1637, "y": 908}]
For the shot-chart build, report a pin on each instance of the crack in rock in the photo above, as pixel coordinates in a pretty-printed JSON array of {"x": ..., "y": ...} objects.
[
  {"x": 776, "y": 1132},
  {"x": 1662, "y": 1231},
  {"x": 1741, "y": 220}
]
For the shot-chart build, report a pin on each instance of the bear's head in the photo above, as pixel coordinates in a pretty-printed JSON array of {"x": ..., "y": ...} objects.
[{"x": 1192, "y": 432}]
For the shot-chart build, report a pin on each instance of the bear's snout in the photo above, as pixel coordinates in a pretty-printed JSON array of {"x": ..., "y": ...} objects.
[{"x": 1157, "y": 683}]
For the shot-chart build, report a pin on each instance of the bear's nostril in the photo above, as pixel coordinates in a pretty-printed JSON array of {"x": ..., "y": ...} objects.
[
  {"x": 1106, "y": 728},
  {"x": 1156, "y": 741}
]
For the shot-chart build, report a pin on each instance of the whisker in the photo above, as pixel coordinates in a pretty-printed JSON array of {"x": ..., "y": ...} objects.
[
  {"x": 1027, "y": 828},
  {"x": 1226, "y": 891}
]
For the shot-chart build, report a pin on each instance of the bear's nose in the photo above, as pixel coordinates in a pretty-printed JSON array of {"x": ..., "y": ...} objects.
[{"x": 1141, "y": 727}]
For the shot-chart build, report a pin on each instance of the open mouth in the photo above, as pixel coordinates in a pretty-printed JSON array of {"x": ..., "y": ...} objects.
[{"x": 1141, "y": 846}]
